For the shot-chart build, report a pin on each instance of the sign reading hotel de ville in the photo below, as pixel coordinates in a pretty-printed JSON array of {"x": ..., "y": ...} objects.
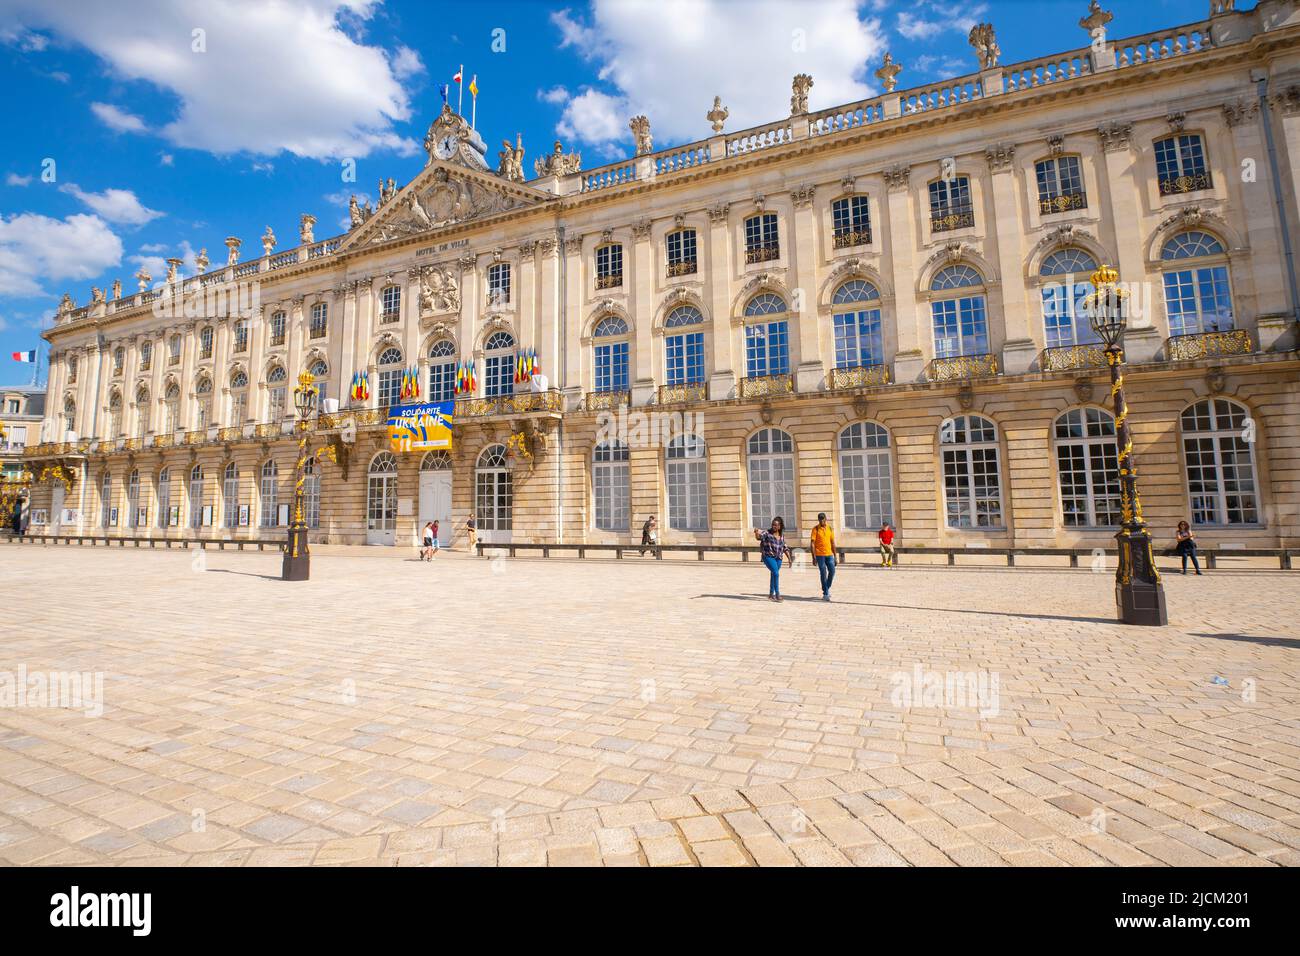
[{"x": 420, "y": 426}]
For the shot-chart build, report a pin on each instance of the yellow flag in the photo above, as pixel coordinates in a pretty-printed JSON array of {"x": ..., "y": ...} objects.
[{"x": 473, "y": 85}]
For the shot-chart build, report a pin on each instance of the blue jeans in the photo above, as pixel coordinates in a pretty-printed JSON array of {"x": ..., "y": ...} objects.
[
  {"x": 773, "y": 566},
  {"x": 825, "y": 568}
]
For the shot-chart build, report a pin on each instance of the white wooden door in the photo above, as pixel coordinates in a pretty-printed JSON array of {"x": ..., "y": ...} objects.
[{"x": 435, "y": 504}]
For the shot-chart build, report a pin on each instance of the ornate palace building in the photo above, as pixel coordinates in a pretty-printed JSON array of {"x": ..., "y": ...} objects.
[{"x": 869, "y": 310}]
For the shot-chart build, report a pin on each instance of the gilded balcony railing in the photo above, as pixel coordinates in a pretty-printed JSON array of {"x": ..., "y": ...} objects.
[
  {"x": 762, "y": 253},
  {"x": 1199, "y": 345},
  {"x": 956, "y": 219},
  {"x": 599, "y": 401},
  {"x": 548, "y": 401},
  {"x": 960, "y": 367},
  {"x": 134, "y": 444},
  {"x": 610, "y": 281},
  {"x": 684, "y": 392},
  {"x": 1185, "y": 184},
  {"x": 197, "y": 437},
  {"x": 847, "y": 238},
  {"x": 684, "y": 268},
  {"x": 231, "y": 433},
  {"x": 1063, "y": 358},
  {"x": 858, "y": 376},
  {"x": 165, "y": 440},
  {"x": 267, "y": 430},
  {"x": 1063, "y": 203},
  {"x": 758, "y": 386}
]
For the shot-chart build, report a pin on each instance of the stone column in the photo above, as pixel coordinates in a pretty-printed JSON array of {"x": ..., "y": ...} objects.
[
  {"x": 547, "y": 294},
  {"x": 185, "y": 375},
  {"x": 718, "y": 268},
  {"x": 296, "y": 338},
  {"x": 1018, "y": 348},
  {"x": 1121, "y": 186},
  {"x": 411, "y": 321},
  {"x": 909, "y": 360},
  {"x": 570, "y": 365},
  {"x": 471, "y": 311},
  {"x": 222, "y": 343},
  {"x": 810, "y": 375},
  {"x": 641, "y": 304}
]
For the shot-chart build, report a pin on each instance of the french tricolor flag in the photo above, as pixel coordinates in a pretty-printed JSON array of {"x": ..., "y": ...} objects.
[{"x": 25, "y": 356}]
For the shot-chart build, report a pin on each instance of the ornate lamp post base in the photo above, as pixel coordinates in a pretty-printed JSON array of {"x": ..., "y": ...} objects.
[
  {"x": 1139, "y": 595},
  {"x": 297, "y": 558}
]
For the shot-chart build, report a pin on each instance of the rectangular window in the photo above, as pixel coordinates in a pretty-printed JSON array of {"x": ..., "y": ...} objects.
[
  {"x": 278, "y": 399},
  {"x": 851, "y": 221},
  {"x": 390, "y": 387},
  {"x": 858, "y": 339},
  {"x": 612, "y": 367},
  {"x": 960, "y": 327},
  {"x": 688, "y": 494},
  {"x": 238, "y": 408},
  {"x": 684, "y": 358},
  {"x": 277, "y": 328},
  {"x": 390, "y": 304},
  {"x": 1065, "y": 321},
  {"x": 611, "y": 489},
  {"x": 196, "y": 502},
  {"x": 950, "y": 204},
  {"x": 499, "y": 375},
  {"x": 442, "y": 381},
  {"x": 230, "y": 491},
  {"x": 498, "y": 277},
  {"x": 1060, "y": 185},
  {"x": 762, "y": 241},
  {"x": 767, "y": 349},
  {"x": 681, "y": 252},
  {"x": 1180, "y": 164},
  {"x": 609, "y": 266},
  {"x": 241, "y": 336},
  {"x": 319, "y": 320},
  {"x": 1198, "y": 300}
]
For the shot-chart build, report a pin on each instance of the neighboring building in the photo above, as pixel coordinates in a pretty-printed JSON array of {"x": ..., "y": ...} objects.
[
  {"x": 22, "y": 410},
  {"x": 868, "y": 310}
]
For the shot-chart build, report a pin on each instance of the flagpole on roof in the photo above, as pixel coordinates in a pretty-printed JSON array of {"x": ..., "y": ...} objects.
[
  {"x": 473, "y": 102},
  {"x": 460, "y": 90}
]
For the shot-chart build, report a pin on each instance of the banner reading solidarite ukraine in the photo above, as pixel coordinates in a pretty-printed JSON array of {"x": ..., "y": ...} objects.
[{"x": 421, "y": 426}]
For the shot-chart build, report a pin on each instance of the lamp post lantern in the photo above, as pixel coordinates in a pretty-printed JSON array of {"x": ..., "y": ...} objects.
[
  {"x": 1139, "y": 595},
  {"x": 297, "y": 554}
]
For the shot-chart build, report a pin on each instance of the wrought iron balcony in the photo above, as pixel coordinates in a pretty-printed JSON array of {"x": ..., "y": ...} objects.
[
  {"x": 858, "y": 376},
  {"x": 164, "y": 440},
  {"x": 277, "y": 339},
  {"x": 1063, "y": 358},
  {"x": 241, "y": 344},
  {"x": 758, "y": 386},
  {"x": 1180, "y": 348},
  {"x": 599, "y": 401},
  {"x": 389, "y": 315},
  {"x": 1063, "y": 203},
  {"x": 685, "y": 267},
  {"x": 960, "y": 367},
  {"x": 611, "y": 281},
  {"x": 955, "y": 219},
  {"x": 318, "y": 331},
  {"x": 1185, "y": 184},
  {"x": 518, "y": 404},
  {"x": 845, "y": 238},
  {"x": 762, "y": 253},
  {"x": 683, "y": 392}
]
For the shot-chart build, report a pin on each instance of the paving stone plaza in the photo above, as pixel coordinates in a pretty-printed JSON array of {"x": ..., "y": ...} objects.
[{"x": 547, "y": 712}]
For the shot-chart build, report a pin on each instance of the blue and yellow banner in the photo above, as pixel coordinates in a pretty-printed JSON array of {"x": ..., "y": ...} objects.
[{"x": 421, "y": 426}]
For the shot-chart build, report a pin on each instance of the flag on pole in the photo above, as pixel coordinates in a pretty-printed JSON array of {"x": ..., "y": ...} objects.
[
  {"x": 29, "y": 356},
  {"x": 443, "y": 90},
  {"x": 473, "y": 102},
  {"x": 473, "y": 85},
  {"x": 460, "y": 90},
  {"x": 458, "y": 75}
]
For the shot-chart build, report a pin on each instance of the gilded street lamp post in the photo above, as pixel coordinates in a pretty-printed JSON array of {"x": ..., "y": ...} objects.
[
  {"x": 1139, "y": 595},
  {"x": 297, "y": 555}
]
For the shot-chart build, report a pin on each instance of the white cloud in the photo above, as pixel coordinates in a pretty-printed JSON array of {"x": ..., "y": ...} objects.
[
  {"x": 555, "y": 95},
  {"x": 36, "y": 249},
  {"x": 954, "y": 17},
  {"x": 153, "y": 247},
  {"x": 672, "y": 75},
  {"x": 275, "y": 76},
  {"x": 407, "y": 63},
  {"x": 914, "y": 28},
  {"x": 13, "y": 179},
  {"x": 156, "y": 266},
  {"x": 118, "y": 119},
  {"x": 115, "y": 205},
  {"x": 166, "y": 159},
  {"x": 26, "y": 41}
]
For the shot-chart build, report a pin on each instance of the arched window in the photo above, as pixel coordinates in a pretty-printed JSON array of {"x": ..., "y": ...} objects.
[
  {"x": 141, "y": 412},
  {"x": 69, "y": 415},
  {"x": 164, "y": 495},
  {"x": 442, "y": 371},
  {"x": 277, "y": 328},
  {"x": 171, "y": 408},
  {"x": 958, "y": 313},
  {"x": 687, "y": 473},
  {"x": 767, "y": 343},
  {"x": 390, "y": 376},
  {"x": 1064, "y": 320},
  {"x": 203, "y": 413},
  {"x": 230, "y": 495},
  {"x": 866, "y": 476},
  {"x": 196, "y": 496},
  {"x": 436, "y": 461},
  {"x": 610, "y": 355},
  {"x": 320, "y": 375},
  {"x": 499, "y": 365},
  {"x": 684, "y": 350},
  {"x": 1220, "y": 459},
  {"x": 390, "y": 304},
  {"x": 381, "y": 493},
  {"x": 1198, "y": 297},
  {"x": 611, "y": 486},
  {"x": 971, "y": 474},
  {"x": 1087, "y": 468},
  {"x": 856, "y": 316},
  {"x": 771, "y": 478},
  {"x": 133, "y": 499},
  {"x": 269, "y": 492},
  {"x": 311, "y": 493},
  {"x": 277, "y": 393},
  {"x": 107, "y": 518},
  {"x": 115, "y": 414},
  {"x": 238, "y": 398},
  {"x": 493, "y": 491}
]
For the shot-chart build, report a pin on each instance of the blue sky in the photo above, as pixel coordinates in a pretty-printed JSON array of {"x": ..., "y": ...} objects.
[{"x": 142, "y": 129}]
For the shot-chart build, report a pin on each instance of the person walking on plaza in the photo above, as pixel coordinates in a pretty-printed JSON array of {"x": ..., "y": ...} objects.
[
  {"x": 427, "y": 538},
  {"x": 1185, "y": 545},
  {"x": 886, "y": 537},
  {"x": 433, "y": 539},
  {"x": 822, "y": 546},
  {"x": 472, "y": 530},
  {"x": 649, "y": 534},
  {"x": 772, "y": 546}
]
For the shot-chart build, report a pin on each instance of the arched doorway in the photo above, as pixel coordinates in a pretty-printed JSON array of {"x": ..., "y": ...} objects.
[
  {"x": 493, "y": 496},
  {"x": 435, "y": 494},
  {"x": 381, "y": 500}
]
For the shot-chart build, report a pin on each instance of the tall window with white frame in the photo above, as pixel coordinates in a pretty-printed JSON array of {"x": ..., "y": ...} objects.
[
  {"x": 146, "y": 355},
  {"x": 609, "y": 265},
  {"x": 971, "y": 472},
  {"x": 119, "y": 360},
  {"x": 196, "y": 496},
  {"x": 1065, "y": 322},
  {"x": 390, "y": 304},
  {"x": 1220, "y": 463},
  {"x": 171, "y": 408},
  {"x": 1060, "y": 185},
  {"x": 1087, "y": 468},
  {"x": 269, "y": 494},
  {"x": 611, "y": 486},
  {"x": 319, "y": 325},
  {"x": 951, "y": 206},
  {"x": 69, "y": 416},
  {"x": 498, "y": 284},
  {"x": 767, "y": 336},
  {"x": 241, "y": 335},
  {"x": 72, "y": 370},
  {"x": 771, "y": 479},
  {"x": 680, "y": 246},
  {"x": 141, "y": 412},
  {"x": 442, "y": 371},
  {"x": 174, "y": 347},
  {"x": 390, "y": 377},
  {"x": 164, "y": 497},
  {"x": 855, "y": 309},
  {"x": 203, "y": 404},
  {"x": 115, "y": 414},
  {"x": 687, "y": 477},
  {"x": 1180, "y": 164},
  {"x": 762, "y": 238},
  {"x": 1198, "y": 297},
  {"x": 684, "y": 346},
  {"x": 311, "y": 493},
  {"x": 499, "y": 365},
  {"x": 850, "y": 222},
  {"x": 277, "y": 328},
  {"x": 866, "y": 476},
  {"x": 277, "y": 393},
  {"x": 610, "y": 355},
  {"x": 206, "y": 335},
  {"x": 238, "y": 398},
  {"x": 106, "y": 501},
  {"x": 230, "y": 495},
  {"x": 493, "y": 491},
  {"x": 381, "y": 493},
  {"x": 958, "y": 313},
  {"x": 133, "y": 498}
]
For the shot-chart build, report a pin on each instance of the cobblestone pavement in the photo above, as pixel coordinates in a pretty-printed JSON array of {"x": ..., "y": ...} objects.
[{"x": 522, "y": 712}]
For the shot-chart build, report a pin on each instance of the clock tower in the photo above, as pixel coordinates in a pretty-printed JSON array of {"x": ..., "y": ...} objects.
[{"x": 451, "y": 140}]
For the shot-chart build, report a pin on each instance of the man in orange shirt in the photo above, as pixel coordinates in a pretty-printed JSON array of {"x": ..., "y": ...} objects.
[{"x": 822, "y": 546}]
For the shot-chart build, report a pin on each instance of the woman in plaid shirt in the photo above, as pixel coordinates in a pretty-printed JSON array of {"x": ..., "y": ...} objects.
[{"x": 772, "y": 546}]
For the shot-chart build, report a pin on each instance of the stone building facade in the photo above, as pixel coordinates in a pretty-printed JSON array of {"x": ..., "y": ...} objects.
[{"x": 868, "y": 310}]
